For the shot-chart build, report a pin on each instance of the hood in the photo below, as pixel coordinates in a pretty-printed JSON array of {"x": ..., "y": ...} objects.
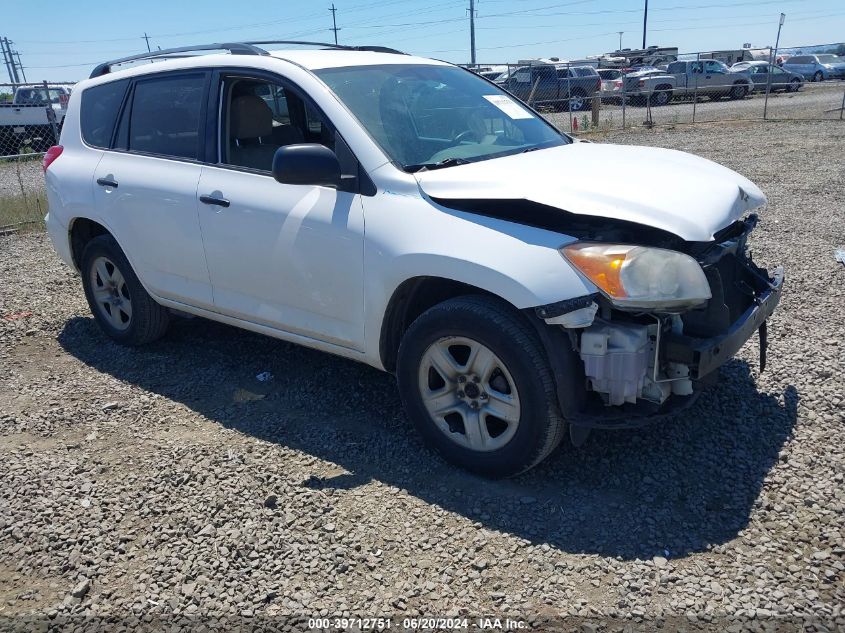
[{"x": 673, "y": 191}]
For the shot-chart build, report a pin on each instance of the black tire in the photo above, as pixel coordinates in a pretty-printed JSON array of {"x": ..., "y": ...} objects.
[
  {"x": 504, "y": 331},
  {"x": 738, "y": 91},
  {"x": 660, "y": 97},
  {"x": 794, "y": 85},
  {"x": 577, "y": 94},
  {"x": 819, "y": 76},
  {"x": 148, "y": 320}
]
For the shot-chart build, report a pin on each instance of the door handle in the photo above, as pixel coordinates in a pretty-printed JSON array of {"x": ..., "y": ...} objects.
[
  {"x": 107, "y": 182},
  {"x": 220, "y": 202}
]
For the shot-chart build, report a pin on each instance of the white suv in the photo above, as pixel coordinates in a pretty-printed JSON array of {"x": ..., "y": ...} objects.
[{"x": 411, "y": 215}]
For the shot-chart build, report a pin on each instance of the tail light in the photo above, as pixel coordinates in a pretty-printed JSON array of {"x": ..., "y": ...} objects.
[
  {"x": 52, "y": 154},
  {"x": 642, "y": 83},
  {"x": 63, "y": 99},
  {"x": 618, "y": 83}
]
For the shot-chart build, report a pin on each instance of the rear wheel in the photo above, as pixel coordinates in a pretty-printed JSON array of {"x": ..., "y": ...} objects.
[
  {"x": 475, "y": 381},
  {"x": 118, "y": 301},
  {"x": 577, "y": 100},
  {"x": 660, "y": 97},
  {"x": 739, "y": 91}
]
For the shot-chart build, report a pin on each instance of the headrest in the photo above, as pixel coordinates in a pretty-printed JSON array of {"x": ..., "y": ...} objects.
[{"x": 251, "y": 117}]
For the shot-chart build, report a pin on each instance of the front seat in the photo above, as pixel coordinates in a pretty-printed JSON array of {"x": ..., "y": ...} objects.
[{"x": 250, "y": 131}]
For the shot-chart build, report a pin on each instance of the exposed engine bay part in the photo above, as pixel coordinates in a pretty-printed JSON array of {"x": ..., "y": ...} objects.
[{"x": 621, "y": 362}]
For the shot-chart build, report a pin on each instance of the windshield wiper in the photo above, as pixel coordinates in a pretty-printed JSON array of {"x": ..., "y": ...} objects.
[
  {"x": 446, "y": 162},
  {"x": 530, "y": 149}
]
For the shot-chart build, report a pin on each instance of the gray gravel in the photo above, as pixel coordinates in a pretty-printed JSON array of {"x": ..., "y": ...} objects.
[
  {"x": 168, "y": 481},
  {"x": 17, "y": 176}
]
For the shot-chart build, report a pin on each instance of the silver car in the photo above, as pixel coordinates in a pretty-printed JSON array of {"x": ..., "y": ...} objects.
[
  {"x": 781, "y": 79},
  {"x": 817, "y": 67}
]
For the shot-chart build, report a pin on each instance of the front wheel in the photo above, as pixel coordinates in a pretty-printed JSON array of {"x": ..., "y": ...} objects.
[
  {"x": 794, "y": 85},
  {"x": 121, "y": 306},
  {"x": 819, "y": 76},
  {"x": 475, "y": 381}
]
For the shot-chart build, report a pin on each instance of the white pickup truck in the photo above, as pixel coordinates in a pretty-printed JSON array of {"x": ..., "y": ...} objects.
[{"x": 25, "y": 122}]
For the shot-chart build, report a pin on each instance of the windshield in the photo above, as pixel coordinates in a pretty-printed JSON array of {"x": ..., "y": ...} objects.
[
  {"x": 425, "y": 117},
  {"x": 829, "y": 59}
]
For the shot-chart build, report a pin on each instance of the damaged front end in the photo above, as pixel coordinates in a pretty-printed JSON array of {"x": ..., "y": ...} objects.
[{"x": 640, "y": 360}]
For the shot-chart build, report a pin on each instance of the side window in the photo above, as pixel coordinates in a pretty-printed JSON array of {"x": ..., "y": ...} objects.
[
  {"x": 675, "y": 67},
  {"x": 562, "y": 73},
  {"x": 713, "y": 66},
  {"x": 259, "y": 117},
  {"x": 98, "y": 112},
  {"x": 165, "y": 115},
  {"x": 696, "y": 68}
]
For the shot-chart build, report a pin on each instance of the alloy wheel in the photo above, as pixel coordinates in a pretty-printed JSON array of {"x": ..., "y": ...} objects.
[
  {"x": 469, "y": 393},
  {"x": 111, "y": 293}
]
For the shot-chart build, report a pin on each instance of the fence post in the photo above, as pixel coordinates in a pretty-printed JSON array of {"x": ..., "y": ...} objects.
[
  {"x": 624, "y": 99},
  {"x": 842, "y": 109},
  {"x": 695, "y": 92},
  {"x": 596, "y": 108},
  {"x": 51, "y": 115}
]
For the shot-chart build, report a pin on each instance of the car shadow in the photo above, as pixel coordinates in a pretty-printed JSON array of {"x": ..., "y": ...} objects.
[{"x": 676, "y": 487}]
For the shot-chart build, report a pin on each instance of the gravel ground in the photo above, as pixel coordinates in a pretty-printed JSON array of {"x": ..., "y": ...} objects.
[
  {"x": 168, "y": 482},
  {"x": 18, "y": 176}
]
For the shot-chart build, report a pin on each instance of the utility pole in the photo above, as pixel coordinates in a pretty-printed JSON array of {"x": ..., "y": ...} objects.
[
  {"x": 620, "y": 40},
  {"x": 6, "y": 59},
  {"x": 147, "y": 38},
  {"x": 9, "y": 58},
  {"x": 472, "y": 31},
  {"x": 645, "y": 21},
  {"x": 772, "y": 59},
  {"x": 334, "y": 22},
  {"x": 20, "y": 65}
]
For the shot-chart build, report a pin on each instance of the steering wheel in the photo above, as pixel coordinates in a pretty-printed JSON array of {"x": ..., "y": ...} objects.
[{"x": 466, "y": 135}]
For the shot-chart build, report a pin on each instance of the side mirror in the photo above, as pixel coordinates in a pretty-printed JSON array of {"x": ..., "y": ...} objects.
[{"x": 306, "y": 164}]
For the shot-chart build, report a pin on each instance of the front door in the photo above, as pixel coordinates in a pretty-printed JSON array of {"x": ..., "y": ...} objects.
[
  {"x": 285, "y": 256},
  {"x": 146, "y": 190}
]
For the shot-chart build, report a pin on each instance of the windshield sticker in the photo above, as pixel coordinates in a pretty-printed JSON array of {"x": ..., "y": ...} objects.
[{"x": 508, "y": 106}]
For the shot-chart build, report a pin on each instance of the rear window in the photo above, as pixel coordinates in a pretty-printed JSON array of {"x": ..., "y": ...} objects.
[
  {"x": 585, "y": 71},
  {"x": 100, "y": 106},
  {"x": 165, "y": 116}
]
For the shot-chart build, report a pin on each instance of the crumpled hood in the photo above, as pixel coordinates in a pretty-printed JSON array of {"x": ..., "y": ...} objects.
[{"x": 677, "y": 192}]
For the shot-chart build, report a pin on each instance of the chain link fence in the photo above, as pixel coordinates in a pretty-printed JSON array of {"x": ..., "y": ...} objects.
[
  {"x": 31, "y": 117},
  {"x": 689, "y": 88}
]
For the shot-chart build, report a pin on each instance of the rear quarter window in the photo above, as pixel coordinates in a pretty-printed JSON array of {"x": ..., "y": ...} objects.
[
  {"x": 98, "y": 112},
  {"x": 165, "y": 115}
]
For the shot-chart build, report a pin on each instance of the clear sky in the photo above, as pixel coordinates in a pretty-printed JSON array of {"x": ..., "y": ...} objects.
[{"x": 64, "y": 39}]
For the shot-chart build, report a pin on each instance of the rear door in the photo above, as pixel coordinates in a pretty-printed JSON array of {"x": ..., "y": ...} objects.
[
  {"x": 716, "y": 79},
  {"x": 145, "y": 187}
]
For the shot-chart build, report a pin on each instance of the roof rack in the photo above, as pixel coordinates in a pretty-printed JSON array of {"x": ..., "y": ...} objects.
[
  {"x": 235, "y": 48},
  {"x": 343, "y": 47}
]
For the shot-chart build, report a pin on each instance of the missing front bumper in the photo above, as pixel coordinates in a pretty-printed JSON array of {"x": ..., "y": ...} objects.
[{"x": 703, "y": 355}]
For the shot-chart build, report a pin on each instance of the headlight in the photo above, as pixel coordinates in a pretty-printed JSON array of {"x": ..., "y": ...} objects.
[{"x": 635, "y": 277}]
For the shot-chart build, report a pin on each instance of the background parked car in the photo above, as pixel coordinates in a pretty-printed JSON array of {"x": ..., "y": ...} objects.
[
  {"x": 782, "y": 79},
  {"x": 611, "y": 84},
  {"x": 709, "y": 77},
  {"x": 817, "y": 67},
  {"x": 649, "y": 85},
  {"x": 558, "y": 86}
]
